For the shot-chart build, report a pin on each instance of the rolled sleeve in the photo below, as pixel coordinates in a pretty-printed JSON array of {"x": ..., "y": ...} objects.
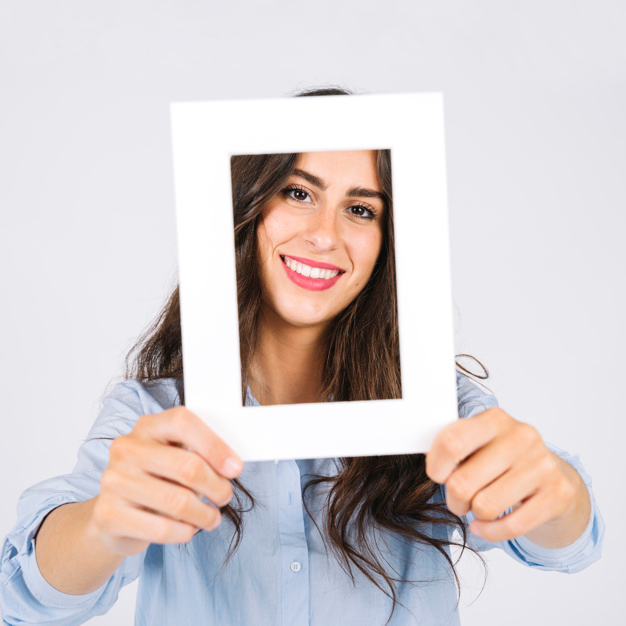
[
  {"x": 573, "y": 558},
  {"x": 25, "y": 595},
  {"x": 577, "y": 556}
]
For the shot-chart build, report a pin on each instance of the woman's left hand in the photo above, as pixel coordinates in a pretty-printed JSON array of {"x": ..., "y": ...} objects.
[{"x": 490, "y": 463}]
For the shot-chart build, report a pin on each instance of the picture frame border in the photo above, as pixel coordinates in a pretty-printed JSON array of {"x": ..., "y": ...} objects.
[{"x": 205, "y": 135}]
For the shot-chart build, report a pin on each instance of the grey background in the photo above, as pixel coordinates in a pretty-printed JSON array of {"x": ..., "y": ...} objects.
[{"x": 535, "y": 96}]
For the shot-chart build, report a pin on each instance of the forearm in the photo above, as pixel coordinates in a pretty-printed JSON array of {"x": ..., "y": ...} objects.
[
  {"x": 565, "y": 530},
  {"x": 70, "y": 555}
]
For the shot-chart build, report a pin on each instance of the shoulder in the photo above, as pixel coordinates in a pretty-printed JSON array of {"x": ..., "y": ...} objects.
[
  {"x": 145, "y": 397},
  {"x": 128, "y": 400},
  {"x": 472, "y": 398}
]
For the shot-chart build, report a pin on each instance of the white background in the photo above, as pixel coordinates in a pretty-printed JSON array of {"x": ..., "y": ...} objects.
[{"x": 535, "y": 96}]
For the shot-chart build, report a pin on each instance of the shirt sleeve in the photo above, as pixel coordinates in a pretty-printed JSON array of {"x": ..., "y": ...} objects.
[
  {"x": 583, "y": 552},
  {"x": 25, "y": 596}
]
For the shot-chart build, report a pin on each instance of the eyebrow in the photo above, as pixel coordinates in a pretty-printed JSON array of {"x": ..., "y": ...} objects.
[{"x": 354, "y": 192}]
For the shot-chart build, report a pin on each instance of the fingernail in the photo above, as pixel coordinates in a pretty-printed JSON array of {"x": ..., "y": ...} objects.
[
  {"x": 232, "y": 466},
  {"x": 475, "y": 531}
]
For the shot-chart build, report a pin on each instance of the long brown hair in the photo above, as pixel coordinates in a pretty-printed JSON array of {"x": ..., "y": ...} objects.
[{"x": 369, "y": 494}]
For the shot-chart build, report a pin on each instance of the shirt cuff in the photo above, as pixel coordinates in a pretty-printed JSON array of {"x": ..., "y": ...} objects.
[
  {"x": 553, "y": 556},
  {"x": 573, "y": 558},
  {"x": 46, "y": 593}
]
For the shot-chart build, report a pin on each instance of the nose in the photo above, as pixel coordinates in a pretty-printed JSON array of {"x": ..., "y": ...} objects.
[{"x": 321, "y": 232}]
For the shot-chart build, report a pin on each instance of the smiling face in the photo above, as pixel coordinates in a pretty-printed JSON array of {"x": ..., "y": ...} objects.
[{"x": 319, "y": 238}]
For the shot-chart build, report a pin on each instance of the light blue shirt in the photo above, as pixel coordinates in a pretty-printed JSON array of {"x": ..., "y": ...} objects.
[{"x": 280, "y": 574}]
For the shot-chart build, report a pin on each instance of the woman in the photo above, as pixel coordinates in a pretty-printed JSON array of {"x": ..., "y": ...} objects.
[{"x": 322, "y": 541}]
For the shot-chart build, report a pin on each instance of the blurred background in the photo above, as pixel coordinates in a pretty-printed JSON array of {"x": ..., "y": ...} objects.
[{"x": 535, "y": 95}]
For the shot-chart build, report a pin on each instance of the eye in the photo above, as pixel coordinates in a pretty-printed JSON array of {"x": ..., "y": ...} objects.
[
  {"x": 362, "y": 212},
  {"x": 299, "y": 194}
]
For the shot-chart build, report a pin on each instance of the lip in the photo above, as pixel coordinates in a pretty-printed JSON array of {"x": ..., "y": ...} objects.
[
  {"x": 311, "y": 263},
  {"x": 306, "y": 282}
]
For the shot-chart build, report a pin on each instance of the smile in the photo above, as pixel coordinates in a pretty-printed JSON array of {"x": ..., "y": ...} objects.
[
  {"x": 308, "y": 270},
  {"x": 313, "y": 277}
]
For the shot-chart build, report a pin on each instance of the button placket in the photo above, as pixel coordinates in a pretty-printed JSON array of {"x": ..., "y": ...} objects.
[{"x": 295, "y": 587}]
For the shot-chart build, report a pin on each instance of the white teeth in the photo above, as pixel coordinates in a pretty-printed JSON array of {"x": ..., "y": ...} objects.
[{"x": 307, "y": 270}]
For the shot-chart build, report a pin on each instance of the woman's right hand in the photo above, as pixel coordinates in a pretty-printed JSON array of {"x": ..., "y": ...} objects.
[{"x": 151, "y": 490}]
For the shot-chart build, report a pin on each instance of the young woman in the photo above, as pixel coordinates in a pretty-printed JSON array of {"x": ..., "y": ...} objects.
[{"x": 320, "y": 541}]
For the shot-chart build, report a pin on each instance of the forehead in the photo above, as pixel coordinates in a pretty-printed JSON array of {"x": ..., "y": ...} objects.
[{"x": 350, "y": 167}]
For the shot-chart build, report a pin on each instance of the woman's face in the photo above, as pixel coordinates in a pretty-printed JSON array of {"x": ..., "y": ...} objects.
[{"x": 319, "y": 238}]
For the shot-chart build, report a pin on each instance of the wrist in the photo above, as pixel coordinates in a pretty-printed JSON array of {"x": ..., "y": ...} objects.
[{"x": 580, "y": 506}]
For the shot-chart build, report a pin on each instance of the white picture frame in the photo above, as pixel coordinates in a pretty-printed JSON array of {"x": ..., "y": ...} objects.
[{"x": 205, "y": 135}]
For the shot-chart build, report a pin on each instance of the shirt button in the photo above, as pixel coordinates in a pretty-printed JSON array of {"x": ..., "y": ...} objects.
[{"x": 295, "y": 566}]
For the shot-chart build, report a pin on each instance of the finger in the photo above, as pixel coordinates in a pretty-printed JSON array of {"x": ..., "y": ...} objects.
[
  {"x": 528, "y": 516},
  {"x": 458, "y": 440},
  {"x": 507, "y": 491},
  {"x": 160, "y": 496},
  {"x": 181, "y": 426},
  {"x": 133, "y": 523},
  {"x": 181, "y": 466},
  {"x": 477, "y": 472},
  {"x": 532, "y": 473}
]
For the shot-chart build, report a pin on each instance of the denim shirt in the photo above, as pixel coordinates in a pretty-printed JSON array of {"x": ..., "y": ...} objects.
[{"x": 280, "y": 573}]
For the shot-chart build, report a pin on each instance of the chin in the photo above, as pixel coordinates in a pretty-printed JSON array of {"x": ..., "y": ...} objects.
[
  {"x": 305, "y": 321},
  {"x": 303, "y": 316}
]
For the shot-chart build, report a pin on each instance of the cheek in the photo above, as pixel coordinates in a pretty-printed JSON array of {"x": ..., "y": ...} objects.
[
  {"x": 263, "y": 254},
  {"x": 262, "y": 242},
  {"x": 273, "y": 230},
  {"x": 367, "y": 253}
]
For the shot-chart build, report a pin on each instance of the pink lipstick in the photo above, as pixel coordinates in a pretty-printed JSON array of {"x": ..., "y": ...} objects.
[{"x": 321, "y": 275}]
